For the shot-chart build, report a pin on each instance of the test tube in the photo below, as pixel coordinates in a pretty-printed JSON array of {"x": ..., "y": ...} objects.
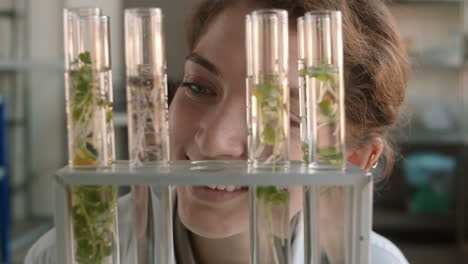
[
  {"x": 268, "y": 97},
  {"x": 301, "y": 52},
  {"x": 103, "y": 62},
  {"x": 267, "y": 91},
  {"x": 87, "y": 88},
  {"x": 325, "y": 87},
  {"x": 148, "y": 131},
  {"x": 146, "y": 87},
  {"x": 105, "y": 77},
  {"x": 327, "y": 209}
]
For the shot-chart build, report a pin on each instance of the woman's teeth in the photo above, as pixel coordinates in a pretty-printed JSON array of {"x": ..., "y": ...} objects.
[{"x": 229, "y": 188}]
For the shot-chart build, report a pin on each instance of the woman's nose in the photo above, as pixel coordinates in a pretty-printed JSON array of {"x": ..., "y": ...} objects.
[{"x": 222, "y": 134}]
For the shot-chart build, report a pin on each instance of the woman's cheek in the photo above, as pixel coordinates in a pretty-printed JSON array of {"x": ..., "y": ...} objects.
[
  {"x": 183, "y": 120},
  {"x": 295, "y": 154},
  {"x": 295, "y": 144},
  {"x": 296, "y": 201},
  {"x": 174, "y": 128}
]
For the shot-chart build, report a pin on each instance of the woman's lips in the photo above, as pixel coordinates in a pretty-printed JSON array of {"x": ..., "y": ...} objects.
[
  {"x": 213, "y": 195},
  {"x": 207, "y": 194}
]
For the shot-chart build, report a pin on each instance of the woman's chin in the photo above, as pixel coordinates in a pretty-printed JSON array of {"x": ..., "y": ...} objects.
[
  {"x": 212, "y": 232},
  {"x": 226, "y": 216}
]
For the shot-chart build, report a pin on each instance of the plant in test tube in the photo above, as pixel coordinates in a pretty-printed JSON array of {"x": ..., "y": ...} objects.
[
  {"x": 93, "y": 212},
  {"x": 274, "y": 197},
  {"x": 270, "y": 109},
  {"x": 93, "y": 207},
  {"x": 327, "y": 105},
  {"x": 85, "y": 100},
  {"x": 147, "y": 145}
]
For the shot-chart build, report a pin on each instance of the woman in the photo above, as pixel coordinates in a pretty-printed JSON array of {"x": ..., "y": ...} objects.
[{"x": 207, "y": 121}]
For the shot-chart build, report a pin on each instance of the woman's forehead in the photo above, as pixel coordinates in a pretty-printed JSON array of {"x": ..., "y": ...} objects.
[
  {"x": 223, "y": 40},
  {"x": 228, "y": 27},
  {"x": 226, "y": 32}
]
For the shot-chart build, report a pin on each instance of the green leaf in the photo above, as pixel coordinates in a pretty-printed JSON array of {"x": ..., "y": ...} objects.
[
  {"x": 101, "y": 102},
  {"x": 260, "y": 192},
  {"x": 324, "y": 72},
  {"x": 303, "y": 73},
  {"x": 331, "y": 155},
  {"x": 76, "y": 113},
  {"x": 268, "y": 87},
  {"x": 83, "y": 156},
  {"x": 305, "y": 152},
  {"x": 85, "y": 57},
  {"x": 272, "y": 195},
  {"x": 327, "y": 107},
  {"x": 109, "y": 115},
  {"x": 269, "y": 135}
]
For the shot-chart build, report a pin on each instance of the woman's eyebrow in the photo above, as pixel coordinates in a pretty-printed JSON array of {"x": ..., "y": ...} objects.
[{"x": 195, "y": 58}]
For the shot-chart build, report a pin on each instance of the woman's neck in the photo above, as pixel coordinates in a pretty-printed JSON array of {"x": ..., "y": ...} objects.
[{"x": 230, "y": 250}]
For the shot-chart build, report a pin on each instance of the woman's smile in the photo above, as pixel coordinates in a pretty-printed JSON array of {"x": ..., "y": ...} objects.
[{"x": 218, "y": 194}]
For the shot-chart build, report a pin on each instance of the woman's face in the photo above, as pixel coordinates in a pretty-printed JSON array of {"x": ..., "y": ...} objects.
[{"x": 208, "y": 122}]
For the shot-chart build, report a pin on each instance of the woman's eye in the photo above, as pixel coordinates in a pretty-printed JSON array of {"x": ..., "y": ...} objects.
[{"x": 197, "y": 89}]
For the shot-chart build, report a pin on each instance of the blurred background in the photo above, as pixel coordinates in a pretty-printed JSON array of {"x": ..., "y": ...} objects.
[{"x": 421, "y": 207}]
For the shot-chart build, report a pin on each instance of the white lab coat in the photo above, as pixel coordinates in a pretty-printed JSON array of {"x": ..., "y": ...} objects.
[{"x": 43, "y": 251}]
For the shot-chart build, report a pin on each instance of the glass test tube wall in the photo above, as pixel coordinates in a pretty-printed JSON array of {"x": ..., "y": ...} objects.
[
  {"x": 327, "y": 209},
  {"x": 90, "y": 134},
  {"x": 301, "y": 52},
  {"x": 268, "y": 91},
  {"x": 325, "y": 88},
  {"x": 268, "y": 135},
  {"x": 106, "y": 82},
  {"x": 146, "y": 87},
  {"x": 148, "y": 131}
]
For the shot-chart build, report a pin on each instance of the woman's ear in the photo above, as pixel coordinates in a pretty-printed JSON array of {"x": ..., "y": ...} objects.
[{"x": 367, "y": 155}]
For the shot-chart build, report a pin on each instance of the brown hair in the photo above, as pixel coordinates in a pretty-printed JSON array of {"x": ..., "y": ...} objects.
[{"x": 376, "y": 66}]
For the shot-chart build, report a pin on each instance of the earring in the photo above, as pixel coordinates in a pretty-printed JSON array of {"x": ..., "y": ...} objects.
[{"x": 375, "y": 164}]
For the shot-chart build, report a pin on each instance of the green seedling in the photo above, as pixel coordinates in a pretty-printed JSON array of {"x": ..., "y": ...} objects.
[
  {"x": 270, "y": 113},
  {"x": 93, "y": 212},
  {"x": 327, "y": 105},
  {"x": 93, "y": 207}
]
